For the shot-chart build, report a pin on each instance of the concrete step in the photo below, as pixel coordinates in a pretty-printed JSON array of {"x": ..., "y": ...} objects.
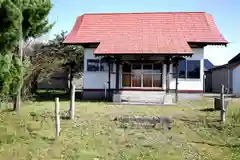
[{"x": 142, "y": 96}]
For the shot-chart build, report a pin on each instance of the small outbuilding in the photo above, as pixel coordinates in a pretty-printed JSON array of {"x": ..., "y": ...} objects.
[{"x": 228, "y": 75}]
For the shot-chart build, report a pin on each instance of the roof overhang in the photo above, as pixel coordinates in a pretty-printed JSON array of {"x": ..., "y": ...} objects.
[
  {"x": 203, "y": 44},
  {"x": 146, "y": 54},
  {"x": 96, "y": 45}
]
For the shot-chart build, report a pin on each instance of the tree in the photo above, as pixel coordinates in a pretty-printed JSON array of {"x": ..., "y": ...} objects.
[
  {"x": 20, "y": 20},
  {"x": 72, "y": 53},
  {"x": 47, "y": 59}
]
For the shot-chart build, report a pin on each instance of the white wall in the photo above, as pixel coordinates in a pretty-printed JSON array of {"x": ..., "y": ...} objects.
[
  {"x": 191, "y": 84},
  {"x": 236, "y": 81},
  {"x": 95, "y": 80}
]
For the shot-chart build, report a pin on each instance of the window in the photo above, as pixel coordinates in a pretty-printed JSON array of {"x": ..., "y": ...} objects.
[
  {"x": 142, "y": 75},
  {"x": 193, "y": 69},
  {"x": 189, "y": 69},
  {"x": 126, "y": 77},
  {"x": 94, "y": 65},
  {"x": 136, "y": 75}
]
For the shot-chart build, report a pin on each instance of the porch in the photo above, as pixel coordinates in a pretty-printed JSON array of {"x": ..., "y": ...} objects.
[{"x": 141, "y": 78}]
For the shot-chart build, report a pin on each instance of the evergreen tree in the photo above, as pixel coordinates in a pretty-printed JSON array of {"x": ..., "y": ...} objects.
[{"x": 20, "y": 20}]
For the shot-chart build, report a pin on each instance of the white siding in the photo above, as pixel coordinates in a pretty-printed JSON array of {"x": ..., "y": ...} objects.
[
  {"x": 95, "y": 80},
  {"x": 191, "y": 84},
  {"x": 236, "y": 81}
]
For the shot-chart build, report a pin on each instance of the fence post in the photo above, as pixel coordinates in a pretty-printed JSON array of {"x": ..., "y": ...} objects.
[
  {"x": 72, "y": 103},
  {"x": 57, "y": 117},
  {"x": 223, "y": 111}
]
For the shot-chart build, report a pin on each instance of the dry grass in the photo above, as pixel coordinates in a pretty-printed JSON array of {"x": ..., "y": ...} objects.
[{"x": 195, "y": 134}]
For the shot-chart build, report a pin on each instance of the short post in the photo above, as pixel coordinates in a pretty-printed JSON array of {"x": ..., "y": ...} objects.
[
  {"x": 72, "y": 103},
  {"x": 223, "y": 111},
  {"x": 57, "y": 117}
]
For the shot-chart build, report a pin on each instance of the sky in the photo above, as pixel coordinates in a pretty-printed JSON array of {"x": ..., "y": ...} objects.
[{"x": 226, "y": 14}]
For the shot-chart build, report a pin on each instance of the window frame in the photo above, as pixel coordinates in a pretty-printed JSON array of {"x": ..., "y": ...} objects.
[
  {"x": 99, "y": 63},
  {"x": 160, "y": 73},
  {"x": 186, "y": 70}
]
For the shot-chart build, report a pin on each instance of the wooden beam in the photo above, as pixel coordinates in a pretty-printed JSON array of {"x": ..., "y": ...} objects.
[
  {"x": 117, "y": 75},
  {"x": 167, "y": 62},
  {"x": 109, "y": 81},
  {"x": 176, "y": 91}
]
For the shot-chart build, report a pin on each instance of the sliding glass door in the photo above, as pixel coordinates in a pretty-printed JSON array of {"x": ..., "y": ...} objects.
[{"x": 142, "y": 75}]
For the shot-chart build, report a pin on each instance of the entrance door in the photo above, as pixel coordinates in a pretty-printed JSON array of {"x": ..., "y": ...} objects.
[{"x": 142, "y": 75}]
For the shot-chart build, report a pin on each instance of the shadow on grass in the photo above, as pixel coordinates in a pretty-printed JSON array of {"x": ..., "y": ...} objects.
[
  {"x": 204, "y": 122},
  {"x": 50, "y": 96},
  {"x": 218, "y": 145},
  {"x": 65, "y": 117},
  {"x": 190, "y": 121},
  {"x": 47, "y": 139},
  {"x": 7, "y": 110},
  {"x": 208, "y": 110},
  {"x": 210, "y": 123}
]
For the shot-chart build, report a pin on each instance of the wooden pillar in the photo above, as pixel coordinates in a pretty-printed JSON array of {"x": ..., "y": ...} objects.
[
  {"x": 109, "y": 80},
  {"x": 177, "y": 70},
  {"x": 117, "y": 75},
  {"x": 167, "y": 62}
]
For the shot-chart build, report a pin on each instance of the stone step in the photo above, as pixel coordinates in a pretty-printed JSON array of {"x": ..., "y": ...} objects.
[
  {"x": 157, "y": 104},
  {"x": 142, "y": 97}
]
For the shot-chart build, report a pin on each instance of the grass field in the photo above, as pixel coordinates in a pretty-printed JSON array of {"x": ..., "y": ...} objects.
[{"x": 196, "y": 133}]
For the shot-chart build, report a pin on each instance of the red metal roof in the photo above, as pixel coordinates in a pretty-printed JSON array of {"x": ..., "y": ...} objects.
[{"x": 137, "y": 33}]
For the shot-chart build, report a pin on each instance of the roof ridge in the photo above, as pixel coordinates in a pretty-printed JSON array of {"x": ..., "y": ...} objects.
[{"x": 141, "y": 13}]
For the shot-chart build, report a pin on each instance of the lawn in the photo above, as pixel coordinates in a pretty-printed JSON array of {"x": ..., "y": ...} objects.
[{"x": 196, "y": 133}]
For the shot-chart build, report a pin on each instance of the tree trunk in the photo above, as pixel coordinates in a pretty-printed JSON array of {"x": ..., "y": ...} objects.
[
  {"x": 71, "y": 78},
  {"x": 17, "y": 100},
  {"x": 34, "y": 84}
]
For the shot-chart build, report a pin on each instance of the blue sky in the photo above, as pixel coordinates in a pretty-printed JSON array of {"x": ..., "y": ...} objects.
[{"x": 226, "y": 14}]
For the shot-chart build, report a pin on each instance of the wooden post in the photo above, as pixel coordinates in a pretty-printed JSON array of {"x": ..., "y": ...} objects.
[
  {"x": 167, "y": 61},
  {"x": 176, "y": 92},
  {"x": 57, "y": 117},
  {"x": 222, "y": 114},
  {"x": 117, "y": 75},
  {"x": 72, "y": 102},
  {"x": 109, "y": 81}
]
